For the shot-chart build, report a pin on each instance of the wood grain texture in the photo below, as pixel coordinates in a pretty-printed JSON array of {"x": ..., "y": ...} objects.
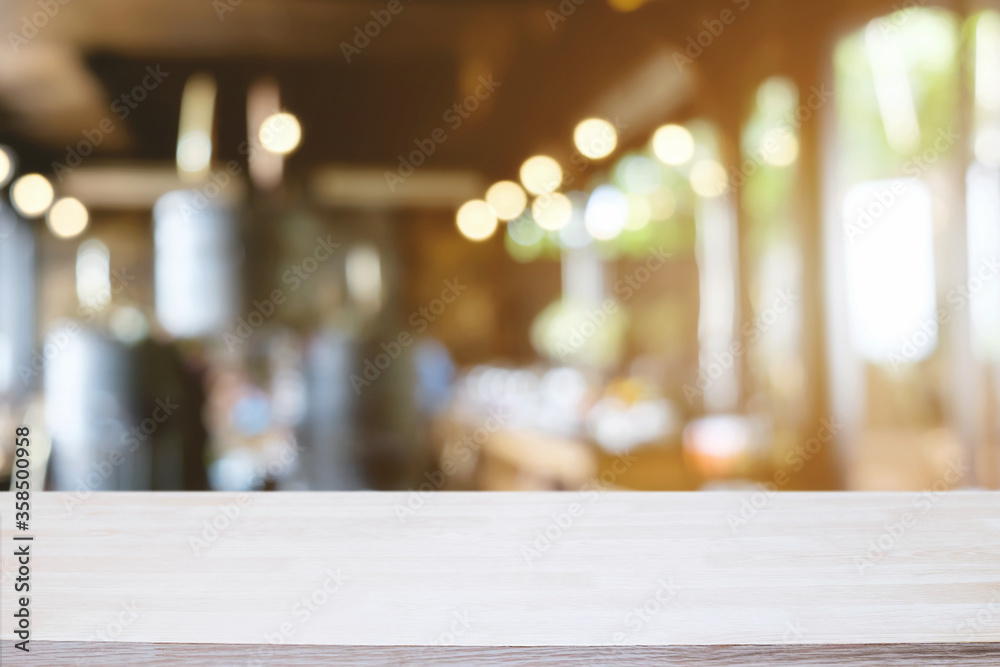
[
  {"x": 471, "y": 569},
  {"x": 85, "y": 654}
]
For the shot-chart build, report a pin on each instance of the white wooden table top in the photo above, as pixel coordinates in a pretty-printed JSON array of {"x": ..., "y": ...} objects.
[{"x": 511, "y": 569}]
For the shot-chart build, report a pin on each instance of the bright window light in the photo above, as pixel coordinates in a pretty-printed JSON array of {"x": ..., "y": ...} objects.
[{"x": 889, "y": 251}]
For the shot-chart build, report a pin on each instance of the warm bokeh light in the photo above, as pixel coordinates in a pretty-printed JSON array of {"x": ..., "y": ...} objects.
[
  {"x": 607, "y": 213},
  {"x": 595, "y": 138},
  {"x": 541, "y": 174},
  {"x": 507, "y": 198},
  {"x": 552, "y": 211},
  {"x": 476, "y": 220},
  {"x": 626, "y": 5},
  {"x": 673, "y": 144},
  {"x": 67, "y": 217},
  {"x": 6, "y": 165},
  {"x": 708, "y": 178},
  {"x": 32, "y": 195},
  {"x": 280, "y": 133},
  {"x": 779, "y": 147}
]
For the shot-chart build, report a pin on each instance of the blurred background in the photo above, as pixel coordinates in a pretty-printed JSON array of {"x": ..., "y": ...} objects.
[{"x": 504, "y": 245}]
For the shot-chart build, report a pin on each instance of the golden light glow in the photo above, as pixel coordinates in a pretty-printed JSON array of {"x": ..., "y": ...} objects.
[
  {"x": 673, "y": 144},
  {"x": 6, "y": 165},
  {"x": 595, "y": 138},
  {"x": 541, "y": 174},
  {"x": 552, "y": 211},
  {"x": 194, "y": 132},
  {"x": 476, "y": 220},
  {"x": 708, "y": 178},
  {"x": 32, "y": 195},
  {"x": 779, "y": 147},
  {"x": 67, "y": 218},
  {"x": 507, "y": 198},
  {"x": 280, "y": 133}
]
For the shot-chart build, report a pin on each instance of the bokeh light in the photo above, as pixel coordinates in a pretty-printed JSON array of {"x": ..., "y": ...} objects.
[
  {"x": 541, "y": 174},
  {"x": 32, "y": 195},
  {"x": 280, "y": 133},
  {"x": 67, "y": 218},
  {"x": 708, "y": 178},
  {"x": 552, "y": 211},
  {"x": 7, "y": 165},
  {"x": 476, "y": 220},
  {"x": 595, "y": 138},
  {"x": 507, "y": 198},
  {"x": 779, "y": 147},
  {"x": 673, "y": 144}
]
